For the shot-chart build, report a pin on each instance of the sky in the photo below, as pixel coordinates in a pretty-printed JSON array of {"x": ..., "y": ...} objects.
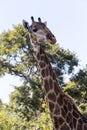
[{"x": 67, "y": 19}]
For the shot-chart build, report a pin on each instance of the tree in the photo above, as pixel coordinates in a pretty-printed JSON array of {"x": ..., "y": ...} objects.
[
  {"x": 42, "y": 121},
  {"x": 77, "y": 88},
  {"x": 81, "y": 80},
  {"x": 26, "y": 101},
  {"x": 10, "y": 120},
  {"x": 16, "y": 58}
]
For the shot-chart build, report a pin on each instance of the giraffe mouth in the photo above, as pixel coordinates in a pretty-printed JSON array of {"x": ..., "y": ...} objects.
[
  {"x": 52, "y": 41},
  {"x": 42, "y": 40}
]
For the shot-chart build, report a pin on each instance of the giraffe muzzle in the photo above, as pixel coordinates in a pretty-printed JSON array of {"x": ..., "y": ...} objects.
[{"x": 51, "y": 38}]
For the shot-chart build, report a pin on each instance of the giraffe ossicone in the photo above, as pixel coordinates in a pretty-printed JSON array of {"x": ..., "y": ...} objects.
[{"x": 63, "y": 111}]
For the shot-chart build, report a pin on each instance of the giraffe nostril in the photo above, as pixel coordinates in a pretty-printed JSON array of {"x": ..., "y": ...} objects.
[
  {"x": 49, "y": 36},
  {"x": 53, "y": 35}
]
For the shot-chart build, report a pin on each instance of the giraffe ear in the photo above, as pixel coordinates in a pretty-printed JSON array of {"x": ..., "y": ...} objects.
[
  {"x": 45, "y": 23},
  {"x": 26, "y": 25}
]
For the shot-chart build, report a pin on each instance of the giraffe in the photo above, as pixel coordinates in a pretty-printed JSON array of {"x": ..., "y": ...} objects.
[{"x": 62, "y": 109}]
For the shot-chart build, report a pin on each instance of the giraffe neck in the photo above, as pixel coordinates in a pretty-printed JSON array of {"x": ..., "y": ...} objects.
[
  {"x": 48, "y": 75},
  {"x": 49, "y": 79},
  {"x": 63, "y": 111}
]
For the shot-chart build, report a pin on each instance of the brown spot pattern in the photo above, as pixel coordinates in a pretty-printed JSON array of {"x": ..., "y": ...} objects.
[
  {"x": 42, "y": 58},
  {"x": 79, "y": 127},
  {"x": 50, "y": 70},
  {"x": 63, "y": 112},
  {"x": 47, "y": 72},
  {"x": 60, "y": 100},
  {"x": 43, "y": 73},
  {"x": 52, "y": 96},
  {"x": 65, "y": 108},
  {"x": 75, "y": 114},
  {"x": 71, "y": 124},
  {"x": 38, "y": 56},
  {"x": 74, "y": 122},
  {"x": 69, "y": 106},
  {"x": 57, "y": 110},
  {"x": 46, "y": 85},
  {"x": 58, "y": 121},
  {"x": 42, "y": 64},
  {"x": 65, "y": 127},
  {"x": 50, "y": 83},
  {"x": 54, "y": 75},
  {"x": 56, "y": 90},
  {"x": 69, "y": 117}
]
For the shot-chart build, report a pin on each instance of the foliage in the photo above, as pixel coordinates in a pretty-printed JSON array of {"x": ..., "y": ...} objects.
[
  {"x": 26, "y": 109},
  {"x": 14, "y": 52},
  {"x": 26, "y": 100},
  {"x": 81, "y": 80},
  {"x": 16, "y": 56},
  {"x": 10, "y": 120},
  {"x": 42, "y": 121},
  {"x": 77, "y": 88},
  {"x": 63, "y": 61},
  {"x": 72, "y": 89},
  {"x": 83, "y": 108}
]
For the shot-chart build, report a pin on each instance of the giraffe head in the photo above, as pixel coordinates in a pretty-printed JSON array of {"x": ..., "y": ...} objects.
[{"x": 39, "y": 33}]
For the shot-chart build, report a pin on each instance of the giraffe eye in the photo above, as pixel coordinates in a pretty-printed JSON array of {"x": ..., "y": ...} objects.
[{"x": 35, "y": 30}]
